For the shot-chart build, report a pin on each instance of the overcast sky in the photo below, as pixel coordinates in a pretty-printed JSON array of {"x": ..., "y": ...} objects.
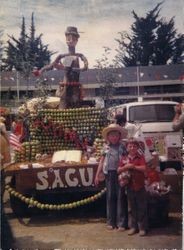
[{"x": 99, "y": 21}]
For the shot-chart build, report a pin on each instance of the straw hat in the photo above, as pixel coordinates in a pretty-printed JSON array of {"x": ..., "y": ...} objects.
[
  {"x": 73, "y": 31},
  {"x": 114, "y": 127},
  {"x": 2, "y": 119}
]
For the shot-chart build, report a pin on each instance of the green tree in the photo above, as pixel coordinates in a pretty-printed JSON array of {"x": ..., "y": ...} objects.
[
  {"x": 164, "y": 43},
  {"x": 152, "y": 41},
  {"x": 39, "y": 55},
  {"x": 178, "y": 53},
  {"x": 27, "y": 51}
]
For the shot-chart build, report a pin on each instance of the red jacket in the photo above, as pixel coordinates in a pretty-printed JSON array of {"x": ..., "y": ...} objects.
[{"x": 137, "y": 177}]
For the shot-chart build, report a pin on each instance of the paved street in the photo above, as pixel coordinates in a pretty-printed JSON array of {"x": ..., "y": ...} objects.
[{"x": 83, "y": 230}]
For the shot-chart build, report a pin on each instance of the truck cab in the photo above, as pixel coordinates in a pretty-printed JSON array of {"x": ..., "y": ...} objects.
[{"x": 155, "y": 119}]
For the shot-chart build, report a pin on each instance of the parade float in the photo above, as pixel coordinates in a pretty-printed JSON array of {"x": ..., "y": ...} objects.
[
  {"x": 60, "y": 154},
  {"x": 61, "y": 158},
  {"x": 62, "y": 146}
]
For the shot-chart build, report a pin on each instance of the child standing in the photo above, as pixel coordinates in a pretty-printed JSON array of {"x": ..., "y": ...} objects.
[
  {"x": 136, "y": 165},
  {"x": 116, "y": 206}
]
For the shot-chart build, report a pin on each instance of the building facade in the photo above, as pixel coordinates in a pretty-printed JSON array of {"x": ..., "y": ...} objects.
[{"x": 164, "y": 82}]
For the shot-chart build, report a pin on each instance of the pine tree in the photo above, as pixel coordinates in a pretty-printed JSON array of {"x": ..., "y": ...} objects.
[
  {"x": 32, "y": 43},
  {"x": 39, "y": 55},
  {"x": 178, "y": 54},
  {"x": 9, "y": 61},
  {"x": 164, "y": 43},
  {"x": 27, "y": 51},
  {"x": 152, "y": 41}
]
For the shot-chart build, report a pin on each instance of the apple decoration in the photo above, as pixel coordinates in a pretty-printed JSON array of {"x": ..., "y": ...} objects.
[
  {"x": 63, "y": 129},
  {"x": 28, "y": 152},
  {"x": 31, "y": 202},
  {"x": 66, "y": 129},
  {"x": 98, "y": 145}
]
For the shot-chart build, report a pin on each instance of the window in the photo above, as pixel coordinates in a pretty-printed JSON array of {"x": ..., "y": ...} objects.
[
  {"x": 152, "y": 113},
  {"x": 122, "y": 91}
]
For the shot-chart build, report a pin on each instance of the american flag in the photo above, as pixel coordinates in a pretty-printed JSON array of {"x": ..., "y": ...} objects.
[{"x": 15, "y": 142}]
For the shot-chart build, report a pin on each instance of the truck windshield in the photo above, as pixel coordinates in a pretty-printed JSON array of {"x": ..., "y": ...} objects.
[{"x": 152, "y": 113}]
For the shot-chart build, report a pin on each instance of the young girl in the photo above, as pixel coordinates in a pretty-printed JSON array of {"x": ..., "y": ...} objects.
[
  {"x": 116, "y": 206},
  {"x": 135, "y": 164}
]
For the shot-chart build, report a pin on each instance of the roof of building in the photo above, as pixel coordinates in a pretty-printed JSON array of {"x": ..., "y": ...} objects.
[{"x": 128, "y": 74}]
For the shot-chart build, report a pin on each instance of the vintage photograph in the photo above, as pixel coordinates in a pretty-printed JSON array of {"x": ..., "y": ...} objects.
[{"x": 91, "y": 124}]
